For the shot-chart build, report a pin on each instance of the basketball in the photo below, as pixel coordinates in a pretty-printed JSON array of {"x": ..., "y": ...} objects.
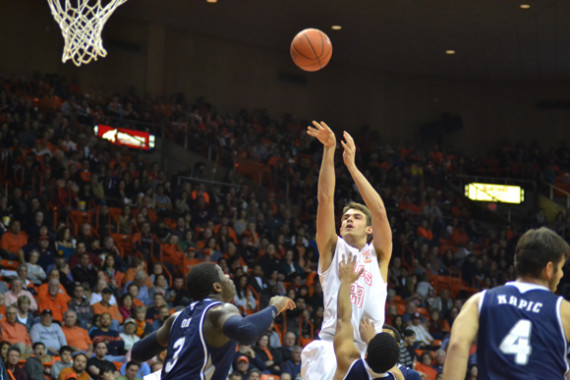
[{"x": 311, "y": 49}]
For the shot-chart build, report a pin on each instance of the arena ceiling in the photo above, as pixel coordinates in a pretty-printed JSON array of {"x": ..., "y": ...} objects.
[{"x": 493, "y": 39}]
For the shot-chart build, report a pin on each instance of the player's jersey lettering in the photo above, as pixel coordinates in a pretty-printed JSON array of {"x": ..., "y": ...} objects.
[{"x": 522, "y": 304}]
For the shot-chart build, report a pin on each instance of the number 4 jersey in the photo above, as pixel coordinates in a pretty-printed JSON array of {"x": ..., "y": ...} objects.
[
  {"x": 521, "y": 334},
  {"x": 188, "y": 355}
]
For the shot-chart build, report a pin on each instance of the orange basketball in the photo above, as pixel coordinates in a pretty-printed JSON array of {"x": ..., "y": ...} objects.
[{"x": 311, "y": 49}]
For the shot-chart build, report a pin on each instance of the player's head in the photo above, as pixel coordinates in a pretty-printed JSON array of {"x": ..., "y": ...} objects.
[
  {"x": 208, "y": 279},
  {"x": 382, "y": 352},
  {"x": 392, "y": 331},
  {"x": 541, "y": 253},
  {"x": 356, "y": 220}
]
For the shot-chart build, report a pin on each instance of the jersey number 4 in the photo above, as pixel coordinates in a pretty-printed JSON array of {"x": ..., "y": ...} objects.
[{"x": 517, "y": 342}]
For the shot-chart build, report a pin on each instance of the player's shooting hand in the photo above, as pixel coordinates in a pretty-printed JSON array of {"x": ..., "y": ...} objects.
[
  {"x": 323, "y": 133},
  {"x": 346, "y": 271},
  {"x": 282, "y": 303},
  {"x": 349, "y": 149},
  {"x": 367, "y": 331}
]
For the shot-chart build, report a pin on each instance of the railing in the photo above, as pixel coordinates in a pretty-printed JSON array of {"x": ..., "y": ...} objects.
[{"x": 554, "y": 189}]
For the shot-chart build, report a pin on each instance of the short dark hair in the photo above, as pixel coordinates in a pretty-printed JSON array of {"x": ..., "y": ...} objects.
[
  {"x": 359, "y": 207},
  {"x": 132, "y": 363},
  {"x": 382, "y": 353},
  {"x": 200, "y": 280},
  {"x": 65, "y": 349},
  {"x": 535, "y": 248},
  {"x": 38, "y": 344},
  {"x": 394, "y": 330}
]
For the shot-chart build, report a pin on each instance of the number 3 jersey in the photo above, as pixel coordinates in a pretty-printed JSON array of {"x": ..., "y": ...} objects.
[
  {"x": 367, "y": 294},
  {"x": 188, "y": 355},
  {"x": 520, "y": 333}
]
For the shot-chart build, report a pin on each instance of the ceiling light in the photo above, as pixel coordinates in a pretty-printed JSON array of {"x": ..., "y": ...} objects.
[
  {"x": 450, "y": 52},
  {"x": 336, "y": 27},
  {"x": 525, "y": 6},
  {"x": 211, "y": 1}
]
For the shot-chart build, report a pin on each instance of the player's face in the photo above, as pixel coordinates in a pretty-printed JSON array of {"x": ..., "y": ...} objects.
[
  {"x": 228, "y": 287},
  {"x": 354, "y": 224},
  {"x": 553, "y": 284}
]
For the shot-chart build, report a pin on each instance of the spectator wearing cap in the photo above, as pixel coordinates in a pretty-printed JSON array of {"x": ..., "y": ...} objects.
[
  {"x": 55, "y": 300},
  {"x": 14, "y": 332},
  {"x": 423, "y": 337},
  {"x": 77, "y": 337},
  {"x": 407, "y": 350},
  {"x": 115, "y": 345},
  {"x": 17, "y": 290},
  {"x": 77, "y": 371},
  {"x": 66, "y": 361},
  {"x": 80, "y": 305},
  {"x": 48, "y": 332},
  {"x": 13, "y": 241},
  {"x": 104, "y": 306},
  {"x": 242, "y": 366},
  {"x": 46, "y": 251},
  {"x": 129, "y": 335},
  {"x": 97, "y": 294}
]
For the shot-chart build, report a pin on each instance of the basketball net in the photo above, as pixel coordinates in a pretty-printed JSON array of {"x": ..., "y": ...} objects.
[{"x": 81, "y": 26}]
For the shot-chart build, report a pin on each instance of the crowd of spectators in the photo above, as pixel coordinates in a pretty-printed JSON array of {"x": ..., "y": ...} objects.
[{"x": 96, "y": 239}]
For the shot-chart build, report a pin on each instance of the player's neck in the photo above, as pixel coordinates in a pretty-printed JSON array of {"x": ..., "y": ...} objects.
[
  {"x": 533, "y": 280},
  {"x": 356, "y": 243}
]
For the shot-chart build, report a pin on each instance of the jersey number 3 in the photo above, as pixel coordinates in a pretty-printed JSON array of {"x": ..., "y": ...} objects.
[
  {"x": 177, "y": 348},
  {"x": 517, "y": 342}
]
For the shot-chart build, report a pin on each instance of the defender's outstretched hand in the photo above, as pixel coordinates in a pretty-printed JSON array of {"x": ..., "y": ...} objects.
[
  {"x": 323, "y": 133},
  {"x": 282, "y": 303},
  {"x": 367, "y": 331},
  {"x": 349, "y": 149},
  {"x": 346, "y": 271}
]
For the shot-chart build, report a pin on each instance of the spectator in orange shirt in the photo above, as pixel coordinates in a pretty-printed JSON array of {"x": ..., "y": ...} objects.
[
  {"x": 77, "y": 370},
  {"x": 424, "y": 232},
  {"x": 171, "y": 252},
  {"x": 104, "y": 306},
  {"x": 54, "y": 300},
  {"x": 43, "y": 288},
  {"x": 189, "y": 260},
  {"x": 13, "y": 241},
  {"x": 14, "y": 332},
  {"x": 77, "y": 338},
  {"x": 17, "y": 290}
]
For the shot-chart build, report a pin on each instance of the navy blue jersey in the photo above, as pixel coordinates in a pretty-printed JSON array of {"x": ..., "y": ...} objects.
[
  {"x": 521, "y": 334},
  {"x": 188, "y": 355},
  {"x": 409, "y": 374},
  {"x": 359, "y": 370}
]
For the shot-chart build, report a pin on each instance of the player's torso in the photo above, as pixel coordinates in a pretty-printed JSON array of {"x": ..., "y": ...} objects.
[
  {"x": 368, "y": 293},
  {"x": 521, "y": 333},
  {"x": 188, "y": 355},
  {"x": 360, "y": 371}
]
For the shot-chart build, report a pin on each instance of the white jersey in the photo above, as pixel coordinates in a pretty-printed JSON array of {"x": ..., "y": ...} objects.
[{"x": 368, "y": 293}]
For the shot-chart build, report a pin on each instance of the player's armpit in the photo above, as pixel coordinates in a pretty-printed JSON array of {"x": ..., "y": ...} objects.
[{"x": 565, "y": 316}]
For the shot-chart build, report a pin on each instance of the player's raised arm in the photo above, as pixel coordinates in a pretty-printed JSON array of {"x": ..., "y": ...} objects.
[
  {"x": 154, "y": 343},
  {"x": 381, "y": 231},
  {"x": 224, "y": 322},
  {"x": 345, "y": 350},
  {"x": 463, "y": 334},
  {"x": 326, "y": 231}
]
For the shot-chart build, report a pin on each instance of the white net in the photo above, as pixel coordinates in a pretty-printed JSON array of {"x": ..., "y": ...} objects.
[{"x": 81, "y": 23}]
